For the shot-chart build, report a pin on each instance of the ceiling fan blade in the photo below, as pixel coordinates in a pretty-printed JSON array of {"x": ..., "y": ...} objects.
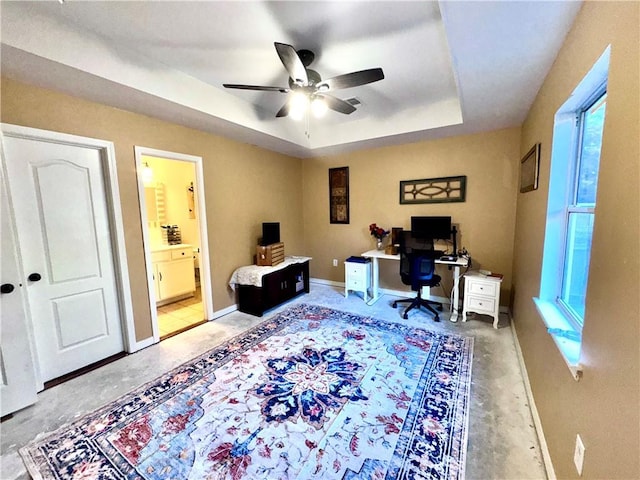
[
  {"x": 292, "y": 63},
  {"x": 353, "y": 79},
  {"x": 338, "y": 105},
  {"x": 255, "y": 87},
  {"x": 284, "y": 111}
]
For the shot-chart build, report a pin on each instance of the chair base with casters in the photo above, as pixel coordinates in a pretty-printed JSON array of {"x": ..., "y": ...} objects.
[
  {"x": 417, "y": 268},
  {"x": 418, "y": 302}
]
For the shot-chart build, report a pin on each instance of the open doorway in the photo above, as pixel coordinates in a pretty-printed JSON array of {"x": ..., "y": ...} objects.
[{"x": 174, "y": 232}]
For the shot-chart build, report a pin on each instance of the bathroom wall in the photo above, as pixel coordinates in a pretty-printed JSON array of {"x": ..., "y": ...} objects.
[{"x": 176, "y": 176}]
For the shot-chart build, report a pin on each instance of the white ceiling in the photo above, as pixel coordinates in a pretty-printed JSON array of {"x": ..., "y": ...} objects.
[{"x": 451, "y": 67}]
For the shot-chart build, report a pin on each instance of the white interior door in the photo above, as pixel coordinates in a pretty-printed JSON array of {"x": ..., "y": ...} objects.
[
  {"x": 62, "y": 221},
  {"x": 17, "y": 375}
]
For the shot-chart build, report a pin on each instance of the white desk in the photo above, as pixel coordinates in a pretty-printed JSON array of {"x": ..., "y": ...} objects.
[{"x": 375, "y": 255}]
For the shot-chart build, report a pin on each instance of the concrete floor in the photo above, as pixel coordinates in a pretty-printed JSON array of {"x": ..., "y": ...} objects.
[{"x": 503, "y": 443}]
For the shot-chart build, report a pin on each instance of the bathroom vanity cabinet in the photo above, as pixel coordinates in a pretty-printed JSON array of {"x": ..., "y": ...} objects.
[{"x": 173, "y": 272}]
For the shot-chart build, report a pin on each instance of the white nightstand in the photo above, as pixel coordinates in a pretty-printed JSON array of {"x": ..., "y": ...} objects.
[
  {"x": 357, "y": 277},
  {"x": 481, "y": 295}
]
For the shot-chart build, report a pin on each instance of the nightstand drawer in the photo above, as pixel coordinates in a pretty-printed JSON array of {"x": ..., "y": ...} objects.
[
  {"x": 482, "y": 288},
  {"x": 357, "y": 273},
  {"x": 356, "y": 269},
  {"x": 480, "y": 304},
  {"x": 360, "y": 276},
  {"x": 356, "y": 283}
]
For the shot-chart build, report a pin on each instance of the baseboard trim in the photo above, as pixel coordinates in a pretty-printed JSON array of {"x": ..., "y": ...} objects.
[
  {"x": 544, "y": 448},
  {"x": 322, "y": 281},
  {"x": 383, "y": 291},
  {"x": 402, "y": 293},
  {"x": 224, "y": 311},
  {"x": 137, "y": 346},
  {"x": 81, "y": 371}
]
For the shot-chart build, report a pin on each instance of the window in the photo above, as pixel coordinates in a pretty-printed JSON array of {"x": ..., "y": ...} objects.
[
  {"x": 581, "y": 209},
  {"x": 573, "y": 182}
]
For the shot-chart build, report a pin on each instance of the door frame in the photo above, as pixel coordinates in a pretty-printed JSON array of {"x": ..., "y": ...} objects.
[
  {"x": 114, "y": 214},
  {"x": 205, "y": 271}
]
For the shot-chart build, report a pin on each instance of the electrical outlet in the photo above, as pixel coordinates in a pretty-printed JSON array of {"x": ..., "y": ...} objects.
[
  {"x": 335, "y": 262},
  {"x": 578, "y": 455}
]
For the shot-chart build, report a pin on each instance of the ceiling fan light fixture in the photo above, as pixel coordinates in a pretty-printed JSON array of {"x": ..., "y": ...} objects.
[
  {"x": 299, "y": 104},
  {"x": 319, "y": 107}
]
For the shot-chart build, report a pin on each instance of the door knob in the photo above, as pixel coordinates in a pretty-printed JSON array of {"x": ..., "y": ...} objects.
[
  {"x": 35, "y": 277},
  {"x": 7, "y": 288}
]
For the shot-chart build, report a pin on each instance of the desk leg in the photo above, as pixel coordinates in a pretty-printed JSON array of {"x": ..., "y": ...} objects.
[
  {"x": 456, "y": 294},
  {"x": 375, "y": 281}
]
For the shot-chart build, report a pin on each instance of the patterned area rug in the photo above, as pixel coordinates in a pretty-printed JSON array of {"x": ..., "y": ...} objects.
[{"x": 311, "y": 393}]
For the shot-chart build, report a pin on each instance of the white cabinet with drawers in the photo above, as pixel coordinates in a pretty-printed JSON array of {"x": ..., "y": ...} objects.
[
  {"x": 357, "y": 277},
  {"x": 173, "y": 272},
  {"x": 481, "y": 295}
]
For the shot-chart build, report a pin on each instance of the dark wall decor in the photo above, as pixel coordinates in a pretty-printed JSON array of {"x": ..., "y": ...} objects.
[
  {"x": 339, "y": 195},
  {"x": 434, "y": 190},
  {"x": 529, "y": 167}
]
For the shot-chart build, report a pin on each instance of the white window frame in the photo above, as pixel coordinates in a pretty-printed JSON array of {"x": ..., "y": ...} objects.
[
  {"x": 565, "y": 330},
  {"x": 574, "y": 207}
]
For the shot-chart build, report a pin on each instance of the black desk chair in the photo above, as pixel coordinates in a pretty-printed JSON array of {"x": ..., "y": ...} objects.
[{"x": 417, "y": 268}]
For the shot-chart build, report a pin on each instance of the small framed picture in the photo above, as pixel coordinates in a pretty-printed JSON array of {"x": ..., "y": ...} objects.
[
  {"x": 529, "y": 166},
  {"x": 339, "y": 195}
]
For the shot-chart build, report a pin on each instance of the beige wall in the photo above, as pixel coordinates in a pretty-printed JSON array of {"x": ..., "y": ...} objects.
[
  {"x": 603, "y": 406},
  {"x": 244, "y": 185},
  {"x": 485, "y": 220}
]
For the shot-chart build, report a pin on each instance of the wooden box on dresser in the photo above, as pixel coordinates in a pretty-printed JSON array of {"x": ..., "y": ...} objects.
[{"x": 277, "y": 287}]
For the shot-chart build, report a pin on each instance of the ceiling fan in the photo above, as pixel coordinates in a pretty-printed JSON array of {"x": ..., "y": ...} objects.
[{"x": 308, "y": 88}]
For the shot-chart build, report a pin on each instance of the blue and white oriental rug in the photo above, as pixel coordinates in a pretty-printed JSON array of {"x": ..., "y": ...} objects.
[{"x": 311, "y": 393}]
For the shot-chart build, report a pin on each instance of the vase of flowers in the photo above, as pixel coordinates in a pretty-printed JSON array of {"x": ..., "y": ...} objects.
[{"x": 378, "y": 233}]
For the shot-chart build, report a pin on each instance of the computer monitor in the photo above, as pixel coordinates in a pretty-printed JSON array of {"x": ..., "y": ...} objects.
[
  {"x": 270, "y": 233},
  {"x": 431, "y": 227}
]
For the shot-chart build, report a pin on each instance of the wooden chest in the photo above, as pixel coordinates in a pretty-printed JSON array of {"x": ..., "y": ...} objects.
[{"x": 270, "y": 255}]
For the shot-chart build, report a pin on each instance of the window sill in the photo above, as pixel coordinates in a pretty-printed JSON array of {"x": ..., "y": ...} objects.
[{"x": 559, "y": 328}]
